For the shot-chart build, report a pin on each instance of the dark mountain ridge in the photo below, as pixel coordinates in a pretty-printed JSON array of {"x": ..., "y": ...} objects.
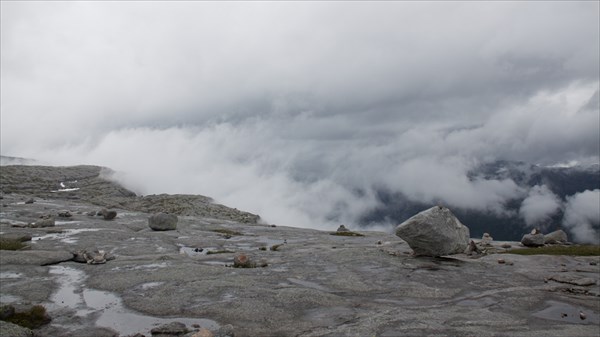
[{"x": 562, "y": 181}]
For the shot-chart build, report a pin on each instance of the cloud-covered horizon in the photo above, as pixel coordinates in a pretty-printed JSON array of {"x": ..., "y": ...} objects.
[{"x": 300, "y": 111}]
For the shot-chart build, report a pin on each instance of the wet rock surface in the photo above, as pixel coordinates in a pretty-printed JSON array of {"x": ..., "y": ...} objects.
[{"x": 316, "y": 285}]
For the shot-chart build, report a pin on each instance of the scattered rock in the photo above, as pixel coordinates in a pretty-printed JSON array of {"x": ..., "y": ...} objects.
[
  {"x": 65, "y": 214},
  {"x": 342, "y": 228},
  {"x": 100, "y": 212},
  {"x": 558, "y": 236},
  {"x": 92, "y": 213},
  {"x": 535, "y": 231},
  {"x": 91, "y": 256},
  {"x": 225, "y": 331},
  {"x": 578, "y": 281},
  {"x": 582, "y": 315},
  {"x": 30, "y": 201},
  {"x": 472, "y": 248},
  {"x": 501, "y": 261},
  {"x": 173, "y": 328},
  {"x": 109, "y": 214},
  {"x": 203, "y": 332},
  {"x": 45, "y": 221},
  {"x": 486, "y": 240},
  {"x": 163, "y": 222},
  {"x": 434, "y": 232},
  {"x": 243, "y": 261},
  {"x": 505, "y": 245},
  {"x": 533, "y": 240}
]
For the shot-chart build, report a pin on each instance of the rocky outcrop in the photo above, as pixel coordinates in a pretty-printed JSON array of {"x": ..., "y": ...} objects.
[
  {"x": 94, "y": 184},
  {"x": 558, "y": 236},
  {"x": 34, "y": 257},
  {"x": 434, "y": 232},
  {"x": 533, "y": 240},
  {"x": 163, "y": 222}
]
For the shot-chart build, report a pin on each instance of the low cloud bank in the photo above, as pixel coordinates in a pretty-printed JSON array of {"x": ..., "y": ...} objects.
[
  {"x": 582, "y": 216},
  {"x": 320, "y": 182},
  {"x": 539, "y": 206}
]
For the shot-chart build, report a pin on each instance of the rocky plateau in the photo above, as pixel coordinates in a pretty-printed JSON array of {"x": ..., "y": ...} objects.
[{"x": 117, "y": 277}]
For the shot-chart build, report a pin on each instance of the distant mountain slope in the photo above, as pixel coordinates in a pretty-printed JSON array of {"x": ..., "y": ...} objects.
[
  {"x": 93, "y": 184},
  {"x": 562, "y": 181}
]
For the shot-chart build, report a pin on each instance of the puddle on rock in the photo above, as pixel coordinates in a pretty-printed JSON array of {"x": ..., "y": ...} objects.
[
  {"x": 107, "y": 308},
  {"x": 64, "y": 236},
  {"x": 8, "y": 274},
  {"x": 558, "y": 311}
]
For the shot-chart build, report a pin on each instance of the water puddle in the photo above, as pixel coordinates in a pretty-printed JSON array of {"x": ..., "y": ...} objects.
[
  {"x": 558, "y": 311},
  {"x": 107, "y": 308},
  {"x": 9, "y": 275},
  {"x": 64, "y": 236}
]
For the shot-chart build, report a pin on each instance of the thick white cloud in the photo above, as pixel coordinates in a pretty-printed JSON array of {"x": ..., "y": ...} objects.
[
  {"x": 298, "y": 111},
  {"x": 582, "y": 216},
  {"x": 539, "y": 205}
]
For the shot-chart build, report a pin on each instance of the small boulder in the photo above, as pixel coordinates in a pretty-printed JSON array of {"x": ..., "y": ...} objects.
[
  {"x": 558, "y": 236},
  {"x": 173, "y": 328},
  {"x": 472, "y": 249},
  {"x": 30, "y": 201},
  {"x": 64, "y": 214},
  {"x": 243, "y": 261},
  {"x": 342, "y": 228},
  {"x": 91, "y": 256},
  {"x": 486, "y": 239},
  {"x": 203, "y": 332},
  {"x": 225, "y": 331},
  {"x": 109, "y": 214},
  {"x": 45, "y": 221},
  {"x": 434, "y": 232},
  {"x": 163, "y": 222},
  {"x": 92, "y": 213},
  {"x": 533, "y": 240}
]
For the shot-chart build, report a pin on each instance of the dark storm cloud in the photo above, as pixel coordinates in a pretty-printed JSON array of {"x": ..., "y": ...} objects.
[{"x": 287, "y": 109}]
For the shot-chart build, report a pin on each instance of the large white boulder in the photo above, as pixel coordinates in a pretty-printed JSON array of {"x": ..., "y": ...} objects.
[{"x": 434, "y": 232}]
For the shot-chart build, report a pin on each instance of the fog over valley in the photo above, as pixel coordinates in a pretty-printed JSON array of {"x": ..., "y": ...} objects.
[{"x": 320, "y": 114}]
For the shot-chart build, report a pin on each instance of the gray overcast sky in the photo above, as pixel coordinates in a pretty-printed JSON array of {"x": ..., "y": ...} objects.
[{"x": 286, "y": 108}]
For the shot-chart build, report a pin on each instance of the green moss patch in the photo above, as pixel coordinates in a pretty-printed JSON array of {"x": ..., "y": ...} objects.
[
  {"x": 574, "y": 250},
  {"x": 11, "y": 244},
  {"x": 346, "y": 233},
  {"x": 224, "y": 251},
  {"x": 226, "y": 231},
  {"x": 32, "y": 319}
]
